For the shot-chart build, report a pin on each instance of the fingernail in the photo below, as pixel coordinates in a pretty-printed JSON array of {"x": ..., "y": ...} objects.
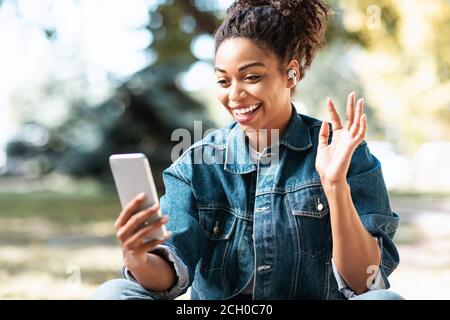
[{"x": 141, "y": 195}]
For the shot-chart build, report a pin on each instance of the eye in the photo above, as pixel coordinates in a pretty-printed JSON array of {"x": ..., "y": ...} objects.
[
  {"x": 222, "y": 83},
  {"x": 253, "y": 78}
]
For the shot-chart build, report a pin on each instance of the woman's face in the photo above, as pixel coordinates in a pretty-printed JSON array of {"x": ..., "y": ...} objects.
[{"x": 250, "y": 85}]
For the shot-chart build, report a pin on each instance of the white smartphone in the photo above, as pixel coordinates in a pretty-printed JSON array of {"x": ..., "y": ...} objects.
[{"x": 132, "y": 176}]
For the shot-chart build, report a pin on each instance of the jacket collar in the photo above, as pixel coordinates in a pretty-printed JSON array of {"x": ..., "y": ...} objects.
[{"x": 237, "y": 155}]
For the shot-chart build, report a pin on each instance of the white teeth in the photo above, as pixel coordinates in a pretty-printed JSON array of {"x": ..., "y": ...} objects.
[{"x": 245, "y": 110}]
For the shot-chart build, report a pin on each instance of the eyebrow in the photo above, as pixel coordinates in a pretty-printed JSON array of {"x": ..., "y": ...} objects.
[{"x": 253, "y": 64}]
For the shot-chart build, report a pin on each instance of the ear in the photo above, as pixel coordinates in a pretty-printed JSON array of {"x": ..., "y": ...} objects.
[{"x": 293, "y": 65}]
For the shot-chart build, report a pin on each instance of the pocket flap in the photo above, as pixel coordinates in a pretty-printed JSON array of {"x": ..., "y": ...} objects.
[
  {"x": 309, "y": 201},
  {"x": 217, "y": 221}
]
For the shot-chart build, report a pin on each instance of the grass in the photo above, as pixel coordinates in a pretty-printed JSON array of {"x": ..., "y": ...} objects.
[
  {"x": 45, "y": 237},
  {"x": 421, "y": 195},
  {"x": 59, "y": 207}
]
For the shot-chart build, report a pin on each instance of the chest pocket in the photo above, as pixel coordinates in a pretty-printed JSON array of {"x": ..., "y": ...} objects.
[
  {"x": 219, "y": 225},
  {"x": 311, "y": 215}
]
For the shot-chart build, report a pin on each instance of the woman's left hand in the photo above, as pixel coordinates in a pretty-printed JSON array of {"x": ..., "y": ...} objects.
[{"x": 333, "y": 160}]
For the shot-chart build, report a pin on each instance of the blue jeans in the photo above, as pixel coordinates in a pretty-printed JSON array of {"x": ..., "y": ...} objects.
[{"x": 123, "y": 289}]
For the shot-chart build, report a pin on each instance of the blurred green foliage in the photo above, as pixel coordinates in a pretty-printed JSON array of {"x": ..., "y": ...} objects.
[{"x": 142, "y": 112}]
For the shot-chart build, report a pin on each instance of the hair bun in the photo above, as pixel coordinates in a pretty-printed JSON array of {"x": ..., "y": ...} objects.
[
  {"x": 292, "y": 29},
  {"x": 246, "y": 4},
  {"x": 287, "y": 8}
]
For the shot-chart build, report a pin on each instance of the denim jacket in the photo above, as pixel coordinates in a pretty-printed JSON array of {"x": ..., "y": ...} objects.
[{"x": 236, "y": 221}]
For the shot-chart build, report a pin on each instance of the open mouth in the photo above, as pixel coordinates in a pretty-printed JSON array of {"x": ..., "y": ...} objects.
[{"x": 246, "y": 114}]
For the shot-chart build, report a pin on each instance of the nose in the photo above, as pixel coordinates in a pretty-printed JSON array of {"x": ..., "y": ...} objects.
[{"x": 236, "y": 93}]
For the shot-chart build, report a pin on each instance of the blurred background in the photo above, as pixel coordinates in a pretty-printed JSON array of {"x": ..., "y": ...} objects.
[{"x": 82, "y": 79}]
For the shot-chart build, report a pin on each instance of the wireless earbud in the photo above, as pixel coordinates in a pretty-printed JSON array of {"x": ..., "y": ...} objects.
[{"x": 292, "y": 74}]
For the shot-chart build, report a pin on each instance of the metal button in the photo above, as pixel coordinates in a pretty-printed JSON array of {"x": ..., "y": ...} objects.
[
  {"x": 216, "y": 229},
  {"x": 264, "y": 267},
  {"x": 319, "y": 205}
]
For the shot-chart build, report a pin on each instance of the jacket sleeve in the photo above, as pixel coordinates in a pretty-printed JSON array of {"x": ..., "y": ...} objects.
[
  {"x": 371, "y": 201},
  {"x": 188, "y": 241},
  {"x": 181, "y": 271}
]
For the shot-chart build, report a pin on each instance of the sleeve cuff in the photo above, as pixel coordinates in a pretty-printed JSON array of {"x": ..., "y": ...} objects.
[
  {"x": 181, "y": 271},
  {"x": 378, "y": 281}
]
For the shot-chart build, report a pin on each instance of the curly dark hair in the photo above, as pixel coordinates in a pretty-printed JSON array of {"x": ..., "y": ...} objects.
[{"x": 291, "y": 29}]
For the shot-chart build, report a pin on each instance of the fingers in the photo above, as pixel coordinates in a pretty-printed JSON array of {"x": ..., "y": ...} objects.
[
  {"x": 350, "y": 111},
  {"x": 136, "y": 221},
  {"x": 361, "y": 135},
  {"x": 126, "y": 213},
  {"x": 335, "y": 120},
  {"x": 324, "y": 134},
  {"x": 356, "y": 121},
  {"x": 139, "y": 239},
  {"x": 144, "y": 246},
  {"x": 150, "y": 246}
]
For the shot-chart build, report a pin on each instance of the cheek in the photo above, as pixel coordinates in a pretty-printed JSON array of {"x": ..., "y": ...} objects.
[
  {"x": 264, "y": 94},
  {"x": 265, "y": 90},
  {"x": 222, "y": 96},
  {"x": 258, "y": 90}
]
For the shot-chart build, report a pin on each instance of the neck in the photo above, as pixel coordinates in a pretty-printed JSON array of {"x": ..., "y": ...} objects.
[{"x": 264, "y": 137}]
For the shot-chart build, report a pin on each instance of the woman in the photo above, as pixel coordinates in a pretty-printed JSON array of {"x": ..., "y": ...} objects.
[{"x": 282, "y": 206}]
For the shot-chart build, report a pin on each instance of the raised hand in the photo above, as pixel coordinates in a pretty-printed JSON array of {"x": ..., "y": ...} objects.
[{"x": 333, "y": 160}]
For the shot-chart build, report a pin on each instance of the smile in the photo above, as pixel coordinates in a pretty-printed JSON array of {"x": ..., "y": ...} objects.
[
  {"x": 246, "y": 115},
  {"x": 246, "y": 110}
]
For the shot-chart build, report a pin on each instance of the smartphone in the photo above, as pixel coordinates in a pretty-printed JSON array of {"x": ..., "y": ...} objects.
[{"x": 132, "y": 176}]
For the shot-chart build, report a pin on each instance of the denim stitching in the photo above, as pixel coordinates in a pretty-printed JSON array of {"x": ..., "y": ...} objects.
[{"x": 297, "y": 245}]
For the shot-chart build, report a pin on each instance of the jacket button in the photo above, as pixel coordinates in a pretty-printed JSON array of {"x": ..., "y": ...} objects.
[
  {"x": 216, "y": 229},
  {"x": 319, "y": 205},
  {"x": 264, "y": 267}
]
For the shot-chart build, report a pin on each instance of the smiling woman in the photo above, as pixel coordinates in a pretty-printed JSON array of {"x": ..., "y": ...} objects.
[
  {"x": 251, "y": 87},
  {"x": 305, "y": 216},
  {"x": 256, "y": 47}
]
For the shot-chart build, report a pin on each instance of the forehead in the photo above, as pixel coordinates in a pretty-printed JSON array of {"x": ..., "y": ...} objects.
[{"x": 235, "y": 52}]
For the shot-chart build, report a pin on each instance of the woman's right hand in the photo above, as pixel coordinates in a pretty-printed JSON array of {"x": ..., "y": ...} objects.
[{"x": 132, "y": 237}]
